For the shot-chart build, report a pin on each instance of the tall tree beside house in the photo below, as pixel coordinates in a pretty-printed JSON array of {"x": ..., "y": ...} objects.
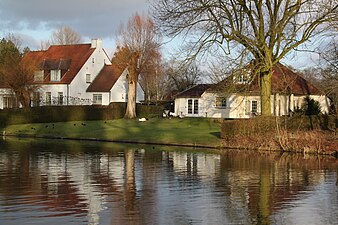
[
  {"x": 182, "y": 75},
  {"x": 267, "y": 30},
  {"x": 141, "y": 44},
  {"x": 329, "y": 71},
  {"x": 15, "y": 73},
  {"x": 153, "y": 78}
]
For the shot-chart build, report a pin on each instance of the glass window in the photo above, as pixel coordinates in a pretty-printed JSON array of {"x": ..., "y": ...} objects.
[
  {"x": 192, "y": 106},
  {"x": 254, "y": 106},
  {"x": 221, "y": 102},
  {"x": 48, "y": 98},
  {"x": 36, "y": 99},
  {"x": 196, "y": 106},
  {"x": 60, "y": 98},
  {"x": 189, "y": 106},
  {"x": 10, "y": 102},
  {"x": 97, "y": 99},
  {"x": 88, "y": 78},
  {"x": 55, "y": 75}
]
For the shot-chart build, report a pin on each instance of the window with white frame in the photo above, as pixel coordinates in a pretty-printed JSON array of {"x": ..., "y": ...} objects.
[
  {"x": 38, "y": 75},
  {"x": 243, "y": 77},
  {"x": 55, "y": 75},
  {"x": 88, "y": 78},
  {"x": 97, "y": 99},
  {"x": 195, "y": 106},
  {"x": 221, "y": 102},
  {"x": 48, "y": 98},
  {"x": 36, "y": 99},
  {"x": 60, "y": 98},
  {"x": 192, "y": 106},
  {"x": 254, "y": 107},
  {"x": 9, "y": 102}
]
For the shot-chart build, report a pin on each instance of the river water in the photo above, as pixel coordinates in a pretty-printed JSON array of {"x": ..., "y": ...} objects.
[{"x": 66, "y": 182}]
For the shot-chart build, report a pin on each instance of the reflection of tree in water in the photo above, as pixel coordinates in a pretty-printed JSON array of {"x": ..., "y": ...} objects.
[
  {"x": 133, "y": 184},
  {"x": 269, "y": 181}
]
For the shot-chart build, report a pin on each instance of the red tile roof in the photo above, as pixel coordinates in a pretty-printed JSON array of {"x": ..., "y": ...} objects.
[
  {"x": 68, "y": 58},
  {"x": 106, "y": 79},
  {"x": 283, "y": 81}
]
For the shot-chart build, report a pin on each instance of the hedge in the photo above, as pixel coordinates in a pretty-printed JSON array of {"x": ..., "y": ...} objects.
[{"x": 46, "y": 114}]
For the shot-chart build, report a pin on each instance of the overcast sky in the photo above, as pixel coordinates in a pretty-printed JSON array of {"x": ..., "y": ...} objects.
[{"x": 35, "y": 20}]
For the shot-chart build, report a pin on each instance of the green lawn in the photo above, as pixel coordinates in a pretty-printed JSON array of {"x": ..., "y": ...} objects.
[{"x": 187, "y": 131}]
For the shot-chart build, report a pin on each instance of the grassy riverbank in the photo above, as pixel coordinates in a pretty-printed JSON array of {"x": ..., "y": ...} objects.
[{"x": 187, "y": 131}]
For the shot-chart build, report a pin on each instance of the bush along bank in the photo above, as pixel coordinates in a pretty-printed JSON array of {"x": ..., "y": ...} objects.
[
  {"x": 303, "y": 134},
  {"x": 48, "y": 114}
]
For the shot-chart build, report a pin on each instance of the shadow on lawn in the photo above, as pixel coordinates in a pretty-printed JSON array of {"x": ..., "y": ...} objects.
[{"x": 216, "y": 134}]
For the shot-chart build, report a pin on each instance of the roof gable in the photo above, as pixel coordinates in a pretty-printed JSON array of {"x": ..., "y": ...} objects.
[
  {"x": 69, "y": 58},
  {"x": 194, "y": 92},
  {"x": 106, "y": 79},
  {"x": 283, "y": 81}
]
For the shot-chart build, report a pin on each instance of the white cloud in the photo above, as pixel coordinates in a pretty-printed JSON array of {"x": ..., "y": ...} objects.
[{"x": 90, "y": 18}]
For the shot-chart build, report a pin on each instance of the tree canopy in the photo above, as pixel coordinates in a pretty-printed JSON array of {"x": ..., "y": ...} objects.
[
  {"x": 15, "y": 73},
  {"x": 264, "y": 30},
  {"x": 140, "y": 44}
]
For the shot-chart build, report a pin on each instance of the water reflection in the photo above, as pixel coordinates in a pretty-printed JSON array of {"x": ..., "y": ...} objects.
[{"x": 49, "y": 182}]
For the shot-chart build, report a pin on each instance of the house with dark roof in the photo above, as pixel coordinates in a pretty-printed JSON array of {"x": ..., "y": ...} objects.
[
  {"x": 77, "y": 74},
  {"x": 238, "y": 96}
]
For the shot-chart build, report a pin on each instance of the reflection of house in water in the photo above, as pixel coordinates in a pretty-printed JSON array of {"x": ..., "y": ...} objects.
[
  {"x": 148, "y": 187},
  {"x": 202, "y": 165}
]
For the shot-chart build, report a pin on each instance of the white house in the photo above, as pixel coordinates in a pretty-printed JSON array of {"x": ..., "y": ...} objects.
[
  {"x": 78, "y": 74},
  {"x": 240, "y": 98}
]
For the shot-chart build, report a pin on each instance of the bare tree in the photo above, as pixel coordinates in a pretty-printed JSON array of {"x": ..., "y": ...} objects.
[
  {"x": 139, "y": 37},
  {"x": 63, "y": 35},
  {"x": 329, "y": 71},
  {"x": 182, "y": 75},
  {"x": 266, "y": 30}
]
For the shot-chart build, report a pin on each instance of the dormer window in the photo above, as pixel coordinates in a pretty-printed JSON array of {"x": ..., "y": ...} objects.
[
  {"x": 243, "y": 78},
  {"x": 55, "y": 75},
  {"x": 38, "y": 76}
]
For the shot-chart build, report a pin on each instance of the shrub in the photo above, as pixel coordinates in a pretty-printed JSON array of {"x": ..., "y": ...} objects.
[{"x": 311, "y": 107}]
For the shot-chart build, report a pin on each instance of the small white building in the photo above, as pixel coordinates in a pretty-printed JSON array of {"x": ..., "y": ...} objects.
[
  {"x": 240, "y": 98},
  {"x": 78, "y": 74}
]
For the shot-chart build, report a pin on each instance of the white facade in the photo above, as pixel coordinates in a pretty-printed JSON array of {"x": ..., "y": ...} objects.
[
  {"x": 75, "y": 92},
  {"x": 239, "y": 106},
  {"x": 119, "y": 91}
]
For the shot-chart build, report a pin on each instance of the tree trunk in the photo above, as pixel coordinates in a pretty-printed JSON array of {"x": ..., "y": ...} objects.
[
  {"x": 132, "y": 86},
  {"x": 265, "y": 86},
  {"x": 131, "y": 104}
]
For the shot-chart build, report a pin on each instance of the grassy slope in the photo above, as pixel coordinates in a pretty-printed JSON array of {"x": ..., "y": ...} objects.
[{"x": 192, "y": 131}]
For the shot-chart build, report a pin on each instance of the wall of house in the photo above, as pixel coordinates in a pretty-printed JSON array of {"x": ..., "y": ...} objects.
[
  {"x": 94, "y": 64},
  {"x": 241, "y": 106},
  {"x": 54, "y": 89},
  {"x": 120, "y": 89},
  {"x": 282, "y": 104}
]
